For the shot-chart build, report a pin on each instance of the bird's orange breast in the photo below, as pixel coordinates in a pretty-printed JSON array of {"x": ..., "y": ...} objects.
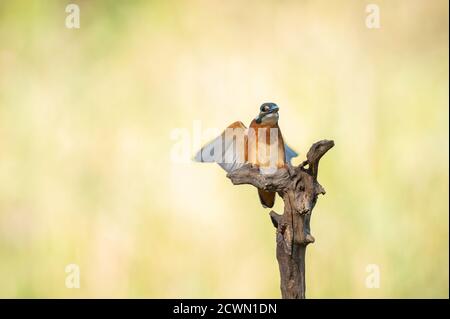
[{"x": 265, "y": 146}]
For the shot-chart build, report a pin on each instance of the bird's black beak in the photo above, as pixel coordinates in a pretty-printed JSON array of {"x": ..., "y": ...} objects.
[{"x": 273, "y": 108}]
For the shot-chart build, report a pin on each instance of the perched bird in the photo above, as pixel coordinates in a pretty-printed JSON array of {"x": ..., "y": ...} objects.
[{"x": 261, "y": 145}]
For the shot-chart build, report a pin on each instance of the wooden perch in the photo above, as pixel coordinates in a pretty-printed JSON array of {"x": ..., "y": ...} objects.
[{"x": 298, "y": 187}]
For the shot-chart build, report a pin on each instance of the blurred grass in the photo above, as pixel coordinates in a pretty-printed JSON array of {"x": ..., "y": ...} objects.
[{"x": 85, "y": 123}]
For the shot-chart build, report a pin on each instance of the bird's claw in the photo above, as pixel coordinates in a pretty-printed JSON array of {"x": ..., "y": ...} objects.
[{"x": 290, "y": 169}]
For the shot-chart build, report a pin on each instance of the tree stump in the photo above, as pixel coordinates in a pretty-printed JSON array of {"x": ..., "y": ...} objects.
[{"x": 299, "y": 189}]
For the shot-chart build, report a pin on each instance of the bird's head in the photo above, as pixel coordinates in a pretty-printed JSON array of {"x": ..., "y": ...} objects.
[{"x": 268, "y": 114}]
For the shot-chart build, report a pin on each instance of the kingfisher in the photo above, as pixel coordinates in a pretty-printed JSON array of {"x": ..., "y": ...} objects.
[{"x": 261, "y": 145}]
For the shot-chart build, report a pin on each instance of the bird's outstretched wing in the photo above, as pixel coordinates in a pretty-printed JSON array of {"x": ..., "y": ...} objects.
[
  {"x": 228, "y": 149},
  {"x": 289, "y": 153}
]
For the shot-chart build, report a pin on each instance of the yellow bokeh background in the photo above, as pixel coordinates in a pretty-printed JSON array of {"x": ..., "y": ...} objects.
[{"x": 90, "y": 120}]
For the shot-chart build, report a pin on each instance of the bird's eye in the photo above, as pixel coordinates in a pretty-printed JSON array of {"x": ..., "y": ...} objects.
[{"x": 266, "y": 108}]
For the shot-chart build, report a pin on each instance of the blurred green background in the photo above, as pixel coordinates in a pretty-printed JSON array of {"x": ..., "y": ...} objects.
[{"x": 87, "y": 122}]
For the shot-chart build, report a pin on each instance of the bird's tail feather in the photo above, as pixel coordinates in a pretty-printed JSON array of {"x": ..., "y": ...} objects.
[{"x": 266, "y": 198}]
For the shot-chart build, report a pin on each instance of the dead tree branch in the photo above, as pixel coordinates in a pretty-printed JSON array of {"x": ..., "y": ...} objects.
[{"x": 299, "y": 189}]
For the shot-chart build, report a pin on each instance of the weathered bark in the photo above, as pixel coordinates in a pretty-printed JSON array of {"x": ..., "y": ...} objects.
[{"x": 298, "y": 187}]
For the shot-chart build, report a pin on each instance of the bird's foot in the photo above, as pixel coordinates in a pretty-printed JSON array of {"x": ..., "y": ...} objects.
[{"x": 290, "y": 169}]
